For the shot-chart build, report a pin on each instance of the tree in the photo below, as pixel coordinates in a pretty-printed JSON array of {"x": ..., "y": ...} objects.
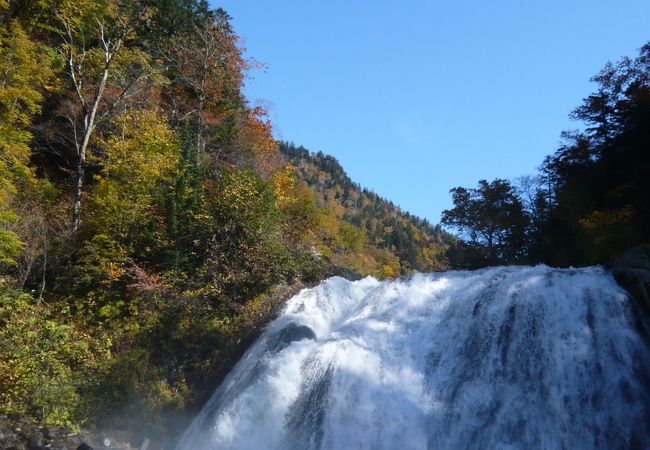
[
  {"x": 170, "y": 18},
  {"x": 597, "y": 183},
  {"x": 93, "y": 37},
  {"x": 491, "y": 216},
  {"x": 246, "y": 251},
  {"x": 208, "y": 63},
  {"x": 25, "y": 70},
  {"x": 138, "y": 162}
]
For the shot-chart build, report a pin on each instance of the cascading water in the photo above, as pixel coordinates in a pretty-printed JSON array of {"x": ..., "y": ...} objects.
[{"x": 499, "y": 358}]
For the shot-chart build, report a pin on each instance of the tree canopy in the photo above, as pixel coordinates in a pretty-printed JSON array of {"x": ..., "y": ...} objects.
[
  {"x": 589, "y": 201},
  {"x": 492, "y": 218}
]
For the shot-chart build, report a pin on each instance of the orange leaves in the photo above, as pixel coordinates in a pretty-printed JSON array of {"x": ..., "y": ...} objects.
[
  {"x": 209, "y": 62},
  {"x": 255, "y": 138},
  {"x": 114, "y": 270},
  {"x": 605, "y": 219}
]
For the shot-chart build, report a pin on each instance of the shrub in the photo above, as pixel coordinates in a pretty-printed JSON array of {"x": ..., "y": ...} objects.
[{"x": 45, "y": 361}]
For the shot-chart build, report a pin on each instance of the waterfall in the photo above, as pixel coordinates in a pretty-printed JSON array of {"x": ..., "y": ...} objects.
[{"x": 499, "y": 358}]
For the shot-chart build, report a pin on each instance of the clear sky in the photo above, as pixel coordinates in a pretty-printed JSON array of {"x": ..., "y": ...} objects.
[{"x": 415, "y": 97}]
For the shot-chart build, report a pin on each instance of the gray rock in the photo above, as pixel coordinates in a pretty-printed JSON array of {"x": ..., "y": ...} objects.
[{"x": 632, "y": 271}]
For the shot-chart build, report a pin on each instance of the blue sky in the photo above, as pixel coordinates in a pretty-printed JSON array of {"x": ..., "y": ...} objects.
[{"x": 416, "y": 97}]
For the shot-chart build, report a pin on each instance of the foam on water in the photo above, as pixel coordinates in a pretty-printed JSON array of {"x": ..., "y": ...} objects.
[{"x": 506, "y": 358}]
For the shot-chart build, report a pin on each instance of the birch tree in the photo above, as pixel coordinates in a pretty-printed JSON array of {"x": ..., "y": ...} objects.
[{"x": 103, "y": 71}]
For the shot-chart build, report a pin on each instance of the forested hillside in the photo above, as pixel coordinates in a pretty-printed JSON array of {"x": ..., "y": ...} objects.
[
  {"x": 589, "y": 200},
  {"x": 403, "y": 242},
  {"x": 149, "y": 224}
]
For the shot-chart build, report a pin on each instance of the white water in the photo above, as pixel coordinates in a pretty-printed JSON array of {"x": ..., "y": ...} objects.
[{"x": 500, "y": 358}]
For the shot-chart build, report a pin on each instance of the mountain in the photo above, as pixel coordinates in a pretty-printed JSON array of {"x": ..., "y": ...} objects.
[{"x": 394, "y": 241}]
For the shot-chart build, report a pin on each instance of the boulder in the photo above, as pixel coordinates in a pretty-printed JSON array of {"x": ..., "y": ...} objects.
[{"x": 632, "y": 271}]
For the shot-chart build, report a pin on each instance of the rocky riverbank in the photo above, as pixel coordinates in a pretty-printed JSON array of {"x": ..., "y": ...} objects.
[{"x": 19, "y": 433}]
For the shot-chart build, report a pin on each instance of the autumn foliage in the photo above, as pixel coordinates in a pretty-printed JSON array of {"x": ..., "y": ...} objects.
[{"x": 147, "y": 215}]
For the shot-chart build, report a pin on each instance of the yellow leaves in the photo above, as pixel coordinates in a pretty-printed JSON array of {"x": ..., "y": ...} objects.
[
  {"x": 43, "y": 357},
  {"x": 389, "y": 271},
  {"x": 240, "y": 189},
  {"x": 10, "y": 243},
  {"x": 246, "y": 201},
  {"x": 284, "y": 183},
  {"x": 25, "y": 71},
  {"x": 340, "y": 236},
  {"x": 133, "y": 64},
  {"x": 140, "y": 157},
  {"x": 146, "y": 144},
  {"x": 432, "y": 256},
  {"x": 607, "y": 233},
  {"x": 77, "y": 12},
  {"x": 601, "y": 220}
]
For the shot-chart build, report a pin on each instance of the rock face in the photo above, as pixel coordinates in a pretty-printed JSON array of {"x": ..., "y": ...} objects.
[
  {"x": 19, "y": 433},
  {"x": 632, "y": 271},
  {"x": 23, "y": 434}
]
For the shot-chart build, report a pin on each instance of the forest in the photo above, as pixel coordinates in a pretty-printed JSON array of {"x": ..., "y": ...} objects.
[
  {"x": 150, "y": 224},
  {"x": 400, "y": 242},
  {"x": 588, "y": 202}
]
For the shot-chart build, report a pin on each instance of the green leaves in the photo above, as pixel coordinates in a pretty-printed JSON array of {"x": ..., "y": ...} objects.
[
  {"x": 493, "y": 218},
  {"x": 45, "y": 361},
  {"x": 10, "y": 243},
  {"x": 246, "y": 250}
]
